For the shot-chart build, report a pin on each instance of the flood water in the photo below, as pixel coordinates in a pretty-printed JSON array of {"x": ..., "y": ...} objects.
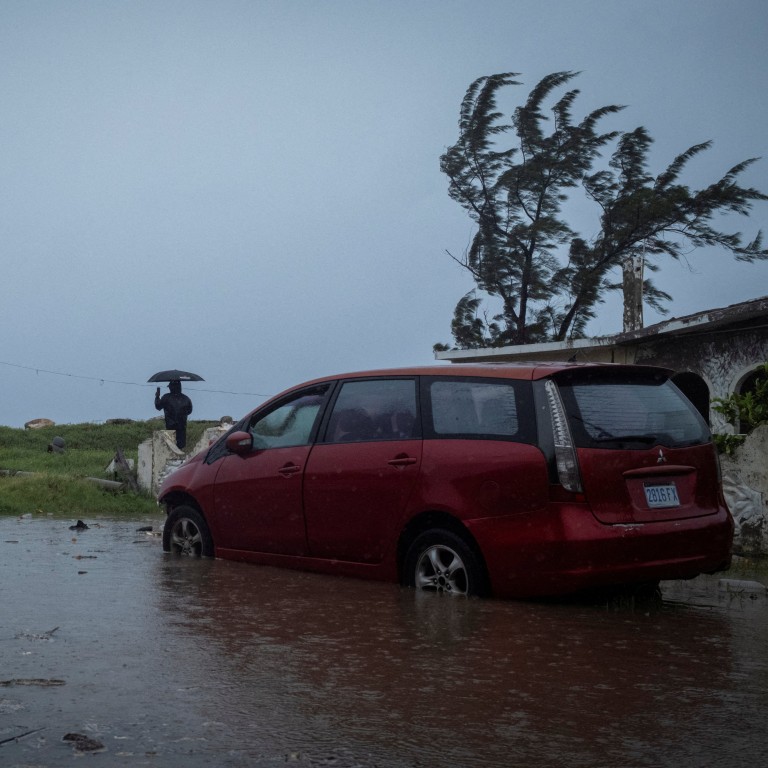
[{"x": 176, "y": 662}]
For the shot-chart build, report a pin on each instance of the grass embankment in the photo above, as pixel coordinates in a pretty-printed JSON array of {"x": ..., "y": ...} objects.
[{"x": 59, "y": 486}]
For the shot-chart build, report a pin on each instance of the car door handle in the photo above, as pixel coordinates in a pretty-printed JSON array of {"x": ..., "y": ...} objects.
[
  {"x": 402, "y": 461},
  {"x": 289, "y": 469}
]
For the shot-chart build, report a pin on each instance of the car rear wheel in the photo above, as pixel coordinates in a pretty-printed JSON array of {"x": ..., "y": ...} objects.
[
  {"x": 186, "y": 533},
  {"x": 440, "y": 561}
]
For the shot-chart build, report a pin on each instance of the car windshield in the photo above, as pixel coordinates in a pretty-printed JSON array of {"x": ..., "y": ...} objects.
[{"x": 629, "y": 410}]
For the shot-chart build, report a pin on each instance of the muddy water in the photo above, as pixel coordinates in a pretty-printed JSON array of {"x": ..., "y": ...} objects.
[{"x": 169, "y": 662}]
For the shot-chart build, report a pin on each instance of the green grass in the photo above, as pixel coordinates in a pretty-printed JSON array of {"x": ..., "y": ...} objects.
[{"x": 59, "y": 486}]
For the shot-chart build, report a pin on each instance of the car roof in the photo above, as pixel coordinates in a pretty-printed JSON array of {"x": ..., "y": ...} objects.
[
  {"x": 518, "y": 370},
  {"x": 522, "y": 371}
]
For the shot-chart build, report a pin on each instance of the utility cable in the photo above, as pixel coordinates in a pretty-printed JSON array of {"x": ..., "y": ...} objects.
[{"x": 125, "y": 383}]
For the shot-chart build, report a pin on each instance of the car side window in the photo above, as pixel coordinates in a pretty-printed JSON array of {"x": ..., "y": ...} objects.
[
  {"x": 374, "y": 409},
  {"x": 290, "y": 422},
  {"x": 489, "y": 409}
]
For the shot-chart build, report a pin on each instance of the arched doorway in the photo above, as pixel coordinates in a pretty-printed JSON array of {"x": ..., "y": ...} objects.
[
  {"x": 749, "y": 384},
  {"x": 696, "y": 390}
]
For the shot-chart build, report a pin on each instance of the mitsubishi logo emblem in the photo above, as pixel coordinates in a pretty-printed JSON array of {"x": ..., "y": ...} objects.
[{"x": 662, "y": 458}]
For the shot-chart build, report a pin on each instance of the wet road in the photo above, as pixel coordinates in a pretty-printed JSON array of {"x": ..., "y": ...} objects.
[{"x": 170, "y": 662}]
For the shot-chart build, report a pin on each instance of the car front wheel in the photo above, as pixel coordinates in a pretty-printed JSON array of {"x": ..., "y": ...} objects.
[
  {"x": 186, "y": 533},
  {"x": 440, "y": 561}
]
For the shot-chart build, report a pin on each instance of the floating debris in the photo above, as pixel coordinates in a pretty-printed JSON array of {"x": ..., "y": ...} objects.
[
  {"x": 36, "y": 635},
  {"x": 20, "y": 736},
  {"x": 45, "y": 682},
  {"x": 83, "y": 743}
]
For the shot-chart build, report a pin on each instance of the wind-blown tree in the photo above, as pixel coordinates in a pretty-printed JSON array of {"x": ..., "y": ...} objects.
[{"x": 546, "y": 278}]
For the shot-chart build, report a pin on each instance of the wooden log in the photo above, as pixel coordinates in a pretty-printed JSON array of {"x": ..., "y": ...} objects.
[{"x": 125, "y": 471}]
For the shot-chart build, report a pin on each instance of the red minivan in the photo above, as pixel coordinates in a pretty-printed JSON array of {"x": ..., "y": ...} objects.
[{"x": 516, "y": 480}]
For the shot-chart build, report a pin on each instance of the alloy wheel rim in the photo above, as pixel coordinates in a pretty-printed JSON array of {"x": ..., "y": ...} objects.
[
  {"x": 440, "y": 569},
  {"x": 186, "y": 537}
]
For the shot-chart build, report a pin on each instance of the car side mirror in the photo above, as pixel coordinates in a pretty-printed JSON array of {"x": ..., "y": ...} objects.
[{"x": 240, "y": 443}]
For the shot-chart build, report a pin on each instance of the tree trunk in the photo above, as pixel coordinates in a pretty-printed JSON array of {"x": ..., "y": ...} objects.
[{"x": 632, "y": 268}]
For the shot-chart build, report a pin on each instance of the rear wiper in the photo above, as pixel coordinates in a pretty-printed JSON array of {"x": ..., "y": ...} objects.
[{"x": 647, "y": 439}]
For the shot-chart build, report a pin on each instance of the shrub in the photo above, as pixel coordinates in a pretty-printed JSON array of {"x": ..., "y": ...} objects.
[{"x": 748, "y": 409}]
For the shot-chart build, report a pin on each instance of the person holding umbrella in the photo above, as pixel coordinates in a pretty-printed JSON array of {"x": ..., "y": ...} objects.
[{"x": 175, "y": 405}]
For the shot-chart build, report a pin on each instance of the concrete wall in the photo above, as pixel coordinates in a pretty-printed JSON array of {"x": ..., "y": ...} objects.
[
  {"x": 154, "y": 456},
  {"x": 745, "y": 483},
  {"x": 159, "y": 455}
]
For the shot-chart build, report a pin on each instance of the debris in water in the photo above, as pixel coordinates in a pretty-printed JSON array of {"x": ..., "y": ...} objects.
[
  {"x": 20, "y": 736},
  {"x": 83, "y": 743},
  {"x": 37, "y": 635},
  {"x": 45, "y": 682}
]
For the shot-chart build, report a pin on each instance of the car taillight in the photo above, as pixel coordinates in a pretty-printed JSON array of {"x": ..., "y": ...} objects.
[{"x": 565, "y": 453}]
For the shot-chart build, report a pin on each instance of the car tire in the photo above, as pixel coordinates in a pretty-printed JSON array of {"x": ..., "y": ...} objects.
[
  {"x": 441, "y": 561},
  {"x": 187, "y": 533}
]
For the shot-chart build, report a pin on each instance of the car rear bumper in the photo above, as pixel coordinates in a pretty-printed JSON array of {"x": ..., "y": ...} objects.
[{"x": 564, "y": 549}]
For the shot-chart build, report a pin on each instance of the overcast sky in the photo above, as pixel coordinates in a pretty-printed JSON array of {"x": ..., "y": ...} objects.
[{"x": 251, "y": 190}]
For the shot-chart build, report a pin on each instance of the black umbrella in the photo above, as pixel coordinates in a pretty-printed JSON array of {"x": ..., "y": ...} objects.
[{"x": 175, "y": 375}]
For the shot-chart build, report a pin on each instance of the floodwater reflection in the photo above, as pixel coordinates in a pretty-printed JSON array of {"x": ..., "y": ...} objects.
[
  {"x": 326, "y": 666},
  {"x": 199, "y": 662}
]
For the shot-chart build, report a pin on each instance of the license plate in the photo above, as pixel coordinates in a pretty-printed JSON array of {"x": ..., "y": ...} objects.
[{"x": 659, "y": 496}]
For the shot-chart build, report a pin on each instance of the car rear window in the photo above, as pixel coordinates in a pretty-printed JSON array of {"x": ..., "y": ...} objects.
[
  {"x": 629, "y": 410},
  {"x": 487, "y": 408}
]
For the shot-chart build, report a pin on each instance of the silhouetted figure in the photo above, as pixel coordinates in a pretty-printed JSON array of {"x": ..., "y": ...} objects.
[{"x": 176, "y": 406}]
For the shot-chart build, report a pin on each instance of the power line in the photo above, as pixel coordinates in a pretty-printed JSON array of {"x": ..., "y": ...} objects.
[{"x": 102, "y": 380}]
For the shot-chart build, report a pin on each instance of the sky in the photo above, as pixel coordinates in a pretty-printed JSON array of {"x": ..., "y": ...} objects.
[{"x": 251, "y": 190}]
